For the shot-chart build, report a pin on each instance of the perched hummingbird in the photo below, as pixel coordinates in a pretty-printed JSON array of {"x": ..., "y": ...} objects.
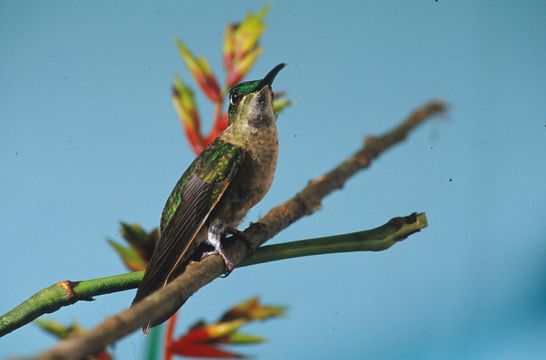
[{"x": 214, "y": 194}]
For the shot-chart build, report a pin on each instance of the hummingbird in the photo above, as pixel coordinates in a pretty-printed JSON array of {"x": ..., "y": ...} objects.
[{"x": 219, "y": 187}]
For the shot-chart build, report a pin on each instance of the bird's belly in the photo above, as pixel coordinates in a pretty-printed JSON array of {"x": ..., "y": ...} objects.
[{"x": 249, "y": 186}]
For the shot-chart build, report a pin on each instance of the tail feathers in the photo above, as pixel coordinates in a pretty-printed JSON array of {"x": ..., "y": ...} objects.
[
  {"x": 155, "y": 280},
  {"x": 151, "y": 283}
]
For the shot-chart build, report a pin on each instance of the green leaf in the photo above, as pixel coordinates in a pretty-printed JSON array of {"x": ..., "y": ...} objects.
[
  {"x": 239, "y": 338},
  {"x": 133, "y": 233},
  {"x": 130, "y": 257},
  {"x": 56, "y": 328},
  {"x": 280, "y": 105}
]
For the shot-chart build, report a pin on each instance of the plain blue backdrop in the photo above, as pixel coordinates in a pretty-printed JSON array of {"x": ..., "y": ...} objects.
[{"x": 88, "y": 136}]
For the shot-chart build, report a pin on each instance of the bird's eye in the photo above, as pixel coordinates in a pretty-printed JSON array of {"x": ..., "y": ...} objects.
[{"x": 234, "y": 99}]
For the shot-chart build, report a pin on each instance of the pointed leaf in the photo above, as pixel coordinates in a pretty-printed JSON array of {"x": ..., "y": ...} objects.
[
  {"x": 240, "y": 309},
  {"x": 130, "y": 257},
  {"x": 239, "y": 338},
  {"x": 55, "y": 328},
  {"x": 260, "y": 15},
  {"x": 185, "y": 103},
  {"x": 214, "y": 331},
  {"x": 248, "y": 33},
  {"x": 206, "y": 83},
  {"x": 186, "y": 109},
  {"x": 263, "y": 312},
  {"x": 133, "y": 233},
  {"x": 210, "y": 80},
  {"x": 243, "y": 66},
  {"x": 251, "y": 309},
  {"x": 188, "y": 58},
  {"x": 139, "y": 239},
  {"x": 229, "y": 44},
  {"x": 62, "y": 332},
  {"x": 280, "y": 105}
]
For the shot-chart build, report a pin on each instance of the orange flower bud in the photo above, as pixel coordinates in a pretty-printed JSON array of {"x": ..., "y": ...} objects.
[
  {"x": 228, "y": 50},
  {"x": 280, "y": 105},
  {"x": 201, "y": 72},
  {"x": 251, "y": 309},
  {"x": 242, "y": 67},
  {"x": 186, "y": 109},
  {"x": 214, "y": 331}
]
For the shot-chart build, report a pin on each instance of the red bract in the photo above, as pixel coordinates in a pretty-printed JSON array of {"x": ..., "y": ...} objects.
[
  {"x": 214, "y": 331},
  {"x": 184, "y": 347},
  {"x": 240, "y": 52},
  {"x": 205, "y": 340}
]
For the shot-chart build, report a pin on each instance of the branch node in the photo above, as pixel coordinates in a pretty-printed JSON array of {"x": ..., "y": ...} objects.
[{"x": 68, "y": 287}]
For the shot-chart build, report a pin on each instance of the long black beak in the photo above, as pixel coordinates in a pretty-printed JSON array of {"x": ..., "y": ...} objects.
[{"x": 268, "y": 79}]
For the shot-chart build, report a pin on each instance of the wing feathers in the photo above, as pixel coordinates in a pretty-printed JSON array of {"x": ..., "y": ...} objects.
[
  {"x": 172, "y": 243},
  {"x": 198, "y": 199}
]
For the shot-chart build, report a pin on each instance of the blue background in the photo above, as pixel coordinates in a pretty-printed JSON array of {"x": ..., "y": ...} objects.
[{"x": 88, "y": 136}]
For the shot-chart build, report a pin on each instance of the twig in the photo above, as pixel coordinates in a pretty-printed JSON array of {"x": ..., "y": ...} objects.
[
  {"x": 64, "y": 293},
  {"x": 378, "y": 239},
  {"x": 167, "y": 300},
  {"x": 67, "y": 292}
]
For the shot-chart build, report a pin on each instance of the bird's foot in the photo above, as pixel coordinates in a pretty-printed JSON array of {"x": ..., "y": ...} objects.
[
  {"x": 238, "y": 234},
  {"x": 227, "y": 262}
]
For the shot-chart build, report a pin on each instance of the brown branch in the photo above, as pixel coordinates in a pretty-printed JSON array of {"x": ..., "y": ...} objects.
[{"x": 166, "y": 301}]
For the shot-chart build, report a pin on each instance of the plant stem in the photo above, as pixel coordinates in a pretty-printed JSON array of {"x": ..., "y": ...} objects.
[
  {"x": 377, "y": 239},
  {"x": 66, "y": 292}
]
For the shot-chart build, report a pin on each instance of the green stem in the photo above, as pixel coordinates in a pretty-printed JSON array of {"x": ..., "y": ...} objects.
[
  {"x": 153, "y": 343},
  {"x": 65, "y": 293},
  {"x": 380, "y": 238}
]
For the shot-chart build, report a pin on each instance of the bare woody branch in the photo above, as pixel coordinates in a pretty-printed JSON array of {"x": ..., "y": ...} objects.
[
  {"x": 166, "y": 301},
  {"x": 65, "y": 293}
]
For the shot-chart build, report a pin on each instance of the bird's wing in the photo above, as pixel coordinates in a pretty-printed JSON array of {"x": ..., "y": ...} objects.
[{"x": 195, "y": 196}]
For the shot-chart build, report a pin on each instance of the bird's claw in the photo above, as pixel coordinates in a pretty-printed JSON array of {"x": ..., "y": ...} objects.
[
  {"x": 238, "y": 234},
  {"x": 228, "y": 263}
]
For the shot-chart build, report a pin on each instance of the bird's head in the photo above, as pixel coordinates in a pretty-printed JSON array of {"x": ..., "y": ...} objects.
[{"x": 251, "y": 102}]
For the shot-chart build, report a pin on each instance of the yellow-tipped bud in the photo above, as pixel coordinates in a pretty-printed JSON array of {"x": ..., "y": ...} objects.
[{"x": 280, "y": 105}]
